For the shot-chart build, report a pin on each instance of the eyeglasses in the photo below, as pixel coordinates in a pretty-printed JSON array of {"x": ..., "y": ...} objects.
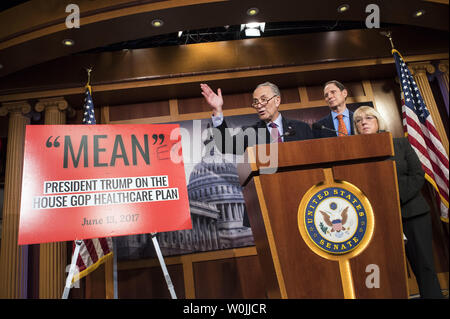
[
  {"x": 358, "y": 120},
  {"x": 263, "y": 101}
]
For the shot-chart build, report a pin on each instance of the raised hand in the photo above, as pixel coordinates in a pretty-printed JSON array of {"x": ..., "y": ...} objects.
[{"x": 213, "y": 99}]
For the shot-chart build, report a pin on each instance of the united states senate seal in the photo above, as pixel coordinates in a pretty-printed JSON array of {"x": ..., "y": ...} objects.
[{"x": 335, "y": 217}]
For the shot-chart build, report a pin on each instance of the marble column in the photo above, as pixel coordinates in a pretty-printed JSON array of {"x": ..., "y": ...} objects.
[
  {"x": 52, "y": 256},
  {"x": 13, "y": 258},
  {"x": 419, "y": 71},
  {"x": 55, "y": 110}
]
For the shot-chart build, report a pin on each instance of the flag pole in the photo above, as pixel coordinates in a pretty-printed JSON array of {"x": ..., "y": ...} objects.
[
  {"x": 89, "y": 70},
  {"x": 78, "y": 243},
  {"x": 72, "y": 270},
  {"x": 388, "y": 34},
  {"x": 114, "y": 275}
]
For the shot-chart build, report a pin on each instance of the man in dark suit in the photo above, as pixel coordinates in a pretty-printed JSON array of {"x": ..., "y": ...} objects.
[
  {"x": 271, "y": 127},
  {"x": 340, "y": 117}
]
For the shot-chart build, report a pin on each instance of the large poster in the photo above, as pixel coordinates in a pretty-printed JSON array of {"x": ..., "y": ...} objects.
[
  {"x": 91, "y": 181},
  {"x": 215, "y": 197}
]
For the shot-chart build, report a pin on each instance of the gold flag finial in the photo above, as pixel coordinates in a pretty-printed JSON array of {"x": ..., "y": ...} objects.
[
  {"x": 88, "y": 84},
  {"x": 388, "y": 34},
  {"x": 89, "y": 70}
]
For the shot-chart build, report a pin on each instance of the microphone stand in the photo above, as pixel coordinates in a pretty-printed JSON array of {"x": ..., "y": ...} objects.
[{"x": 323, "y": 127}]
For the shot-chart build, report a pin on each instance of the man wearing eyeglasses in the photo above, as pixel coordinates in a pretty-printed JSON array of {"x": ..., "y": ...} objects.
[
  {"x": 271, "y": 127},
  {"x": 339, "y": 122}
]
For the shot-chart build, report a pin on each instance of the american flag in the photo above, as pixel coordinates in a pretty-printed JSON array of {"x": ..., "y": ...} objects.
[
  {"x": 422, "y": 134},
  {"x": 88, "y": 107},
  {"x": 92, "y": 251}
]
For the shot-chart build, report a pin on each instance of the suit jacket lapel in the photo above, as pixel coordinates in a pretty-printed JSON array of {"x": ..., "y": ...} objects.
[
  {"x": 350, "y": 113},
  {"x": 329, "y": 123},
  {"x": 286, "y": 127}
]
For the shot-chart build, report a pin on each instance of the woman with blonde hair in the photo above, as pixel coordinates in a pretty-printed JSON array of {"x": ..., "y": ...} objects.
[{"x": 415, "y": 210}]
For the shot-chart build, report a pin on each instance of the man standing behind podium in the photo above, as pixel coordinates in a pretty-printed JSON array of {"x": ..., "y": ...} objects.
[
  {"x": 271, "y": 127},
  {"x": 340, "y": 118}
]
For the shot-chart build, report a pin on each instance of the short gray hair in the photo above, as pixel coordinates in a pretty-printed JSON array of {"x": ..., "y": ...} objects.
[
  {"x": 368, "y": 110},
  {"x": 274, "y": 88},
  {"x": 337, "y": 83}
]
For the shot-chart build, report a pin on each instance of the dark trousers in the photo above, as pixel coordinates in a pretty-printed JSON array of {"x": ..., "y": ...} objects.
[{"x": 419, "y": 252}]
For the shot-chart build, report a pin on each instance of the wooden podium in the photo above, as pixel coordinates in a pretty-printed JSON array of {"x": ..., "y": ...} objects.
[{"x": 292, "y": 255}]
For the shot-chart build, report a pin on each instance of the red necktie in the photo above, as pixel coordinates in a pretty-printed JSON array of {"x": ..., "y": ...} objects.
[
  {"x": 341, "y": 128},
  {"x": 275, "y": 133}
]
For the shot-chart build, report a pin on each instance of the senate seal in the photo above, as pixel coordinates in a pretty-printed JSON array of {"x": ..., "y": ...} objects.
[{"x": 335, "y": 218}]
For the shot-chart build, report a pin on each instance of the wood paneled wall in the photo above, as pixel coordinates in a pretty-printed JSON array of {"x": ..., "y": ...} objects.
[
  {"x": 223, "y": 274},
  {"x": 234, "y": 104}
]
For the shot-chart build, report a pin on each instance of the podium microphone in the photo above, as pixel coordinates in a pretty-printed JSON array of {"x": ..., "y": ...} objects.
[
  {"x": 289, "y": 132},
  {"x": 317, "y": 126}
]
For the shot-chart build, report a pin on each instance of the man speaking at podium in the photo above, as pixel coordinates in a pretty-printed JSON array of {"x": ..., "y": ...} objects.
[
  {"x": 271, "y": 127},
  {"x": 340, "y": 120}
]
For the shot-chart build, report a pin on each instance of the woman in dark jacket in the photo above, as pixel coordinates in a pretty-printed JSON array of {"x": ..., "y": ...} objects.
[{"x": 415, "y": 210}]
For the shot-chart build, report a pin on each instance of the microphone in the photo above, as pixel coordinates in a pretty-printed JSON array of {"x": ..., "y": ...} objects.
[
  {"x": 317, "y": 126},
  {"x": 289, "y": 132}
]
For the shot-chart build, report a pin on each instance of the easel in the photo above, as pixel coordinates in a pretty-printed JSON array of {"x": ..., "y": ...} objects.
[
  {"x": 76, "y": 253},
  {"x": 72, "y": 268},
  {"x": 163, "y": 266},
  {"x": 78, "y": 244}
]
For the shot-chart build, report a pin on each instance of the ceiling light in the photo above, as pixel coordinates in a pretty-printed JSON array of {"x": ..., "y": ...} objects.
[
  {"x": 252, "y": 33},
  {"x": 342, "y": 8},
  {"x": 157, "y": 23},
  {"x": 252, "y": 25},
  {"x": 180, "y": 33},
  {"x": 252, "y": 11},
  {"x": 418, "y": 13},
  {"x": 253, "y": 29},
  {"x": 68, "y": 42}
]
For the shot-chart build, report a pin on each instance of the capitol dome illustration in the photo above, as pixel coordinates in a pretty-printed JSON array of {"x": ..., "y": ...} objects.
[{"x": 215, "y": 181}]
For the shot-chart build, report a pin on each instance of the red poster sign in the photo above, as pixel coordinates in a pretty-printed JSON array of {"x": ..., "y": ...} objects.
[{"x": 91, "y": 181}]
